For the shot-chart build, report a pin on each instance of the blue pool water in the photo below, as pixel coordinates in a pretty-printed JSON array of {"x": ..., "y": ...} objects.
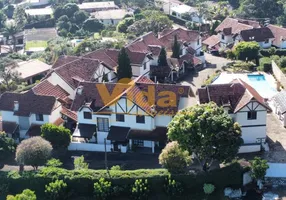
[{"x": 260, "y": 84}]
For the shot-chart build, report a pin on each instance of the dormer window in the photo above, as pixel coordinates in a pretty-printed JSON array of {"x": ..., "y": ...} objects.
[
  {"x": 87, "y": 115},
  {"x": 222, "y": 37}
]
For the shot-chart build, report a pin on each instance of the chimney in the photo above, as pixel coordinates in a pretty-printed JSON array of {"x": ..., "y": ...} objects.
[
  {"x": 16, "y": 105},
  {"x": 79, "y": 90}
]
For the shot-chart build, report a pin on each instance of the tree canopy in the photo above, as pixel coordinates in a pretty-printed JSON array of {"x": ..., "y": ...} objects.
[
  {"x": 124, "y": 69},
  {"x": 176, "y": 48},
  {"x": 162, "y": 60},
  {"x": 7, "y": 145},
  {"x": 247, "y": 50},
  {"x": 58, "y": 136},
  {"x": 206, "y": 131}
]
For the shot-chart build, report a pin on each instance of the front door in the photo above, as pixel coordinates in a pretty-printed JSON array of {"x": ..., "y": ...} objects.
[{"x": 115, "y": 146}]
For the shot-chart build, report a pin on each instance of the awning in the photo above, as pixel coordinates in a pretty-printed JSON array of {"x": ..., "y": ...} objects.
[
  {"x": 118, "y": 133},
  {"x": 34, "y": 130},
  {"x": 159, "y": 135},
  {"x": 9, "y": 127},
  {"x": 84, "y": 130}
]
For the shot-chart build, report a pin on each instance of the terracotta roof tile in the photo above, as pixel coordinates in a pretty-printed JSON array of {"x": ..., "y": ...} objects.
[
  {"x": 62, "y": 60},
  {"x": 235, "y": 25},
  {"x": 72, "y": 115},
  {"x": 47, "y": 89},
  {"x": 211, "y": 41},
  {"x": 29, "y": 102},
  {"x": 58, "y": 122},
  {"x": 279, "y": 34}
]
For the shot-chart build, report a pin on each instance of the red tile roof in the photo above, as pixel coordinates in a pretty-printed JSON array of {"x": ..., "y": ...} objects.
[
  {"x": 236, "y": 95},
  {"x": 47, "y": 89},
  {"x": 29, "y": 103},
  {"x": 62, "y": 60},
  {"x": 107, "y": 56},
  {"x": 211, "y": 41},
  {"x": 279, "y": 34},
  {"x": 78, "y": 70},
  {"x": 136, "y": 57},
  {"x": 71, "y": 114},
  {"x": 182, "y": 35},
  {"x": 59, "y": 122},
  {"x": 256, "y": 34},
  {"x": 232, "y": 26}
]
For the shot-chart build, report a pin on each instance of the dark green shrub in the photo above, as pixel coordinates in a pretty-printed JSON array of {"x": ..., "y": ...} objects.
[
  {"x": 54, "y": 163},
  {"x": 115, "y": 167},
  {"x": 25, "y": 195},
  {"x": 172, "y": 187},
  {"x": 140, "y": 189},
  {"x": 208, "y": 188},
  {"x": 56, "y": 190},
  {"x": 102, "y": 189},
  {"x": 79, "y": 163}
]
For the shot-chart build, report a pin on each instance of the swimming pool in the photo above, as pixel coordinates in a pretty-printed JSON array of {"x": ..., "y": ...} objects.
[{"x": 260, "y": 84}]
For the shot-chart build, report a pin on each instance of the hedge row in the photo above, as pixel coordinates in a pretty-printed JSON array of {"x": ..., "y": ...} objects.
[
  {"x": 278, "y": 52},
  {"x": 81, "y": 181}
]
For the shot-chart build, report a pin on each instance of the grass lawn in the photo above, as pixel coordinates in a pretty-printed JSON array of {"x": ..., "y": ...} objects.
[{"x": 35, "y": 44}]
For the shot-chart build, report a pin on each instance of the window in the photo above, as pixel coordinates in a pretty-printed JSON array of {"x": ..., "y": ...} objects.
[
  {"x": 87, "y": 115},
  {"x": 39, "y": 117},
  {"x": 139, "y": 143},
  {"x": 251, "y": 115},
  {"x": 267, "y": 41},
  {"x": 140, "y": 119},
  {"x": 198, "y": 42},
  {"x": 145, "y": 65},
  {"x": 120, "y": 118},
  {"x": 102, "y": 124},
  {"x": 222, "y": 37}
]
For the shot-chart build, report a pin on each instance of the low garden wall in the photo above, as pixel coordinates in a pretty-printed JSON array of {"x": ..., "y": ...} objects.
[
  {"x": 250, "y": 148},
  {"x": 279, "y": 75},
  {"x": 74, "y": 146},
  {"x": 81, "y": 182}
]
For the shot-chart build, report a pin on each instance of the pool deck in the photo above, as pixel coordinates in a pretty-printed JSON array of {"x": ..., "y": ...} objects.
[{"x": 226, "y": 77}]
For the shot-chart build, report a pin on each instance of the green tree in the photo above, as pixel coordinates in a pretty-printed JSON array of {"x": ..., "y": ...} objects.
[
  {"x": 80, "y": 16},
  {"x": 10, "y": 29},
  {"x": 92, "y": 25},
  {"x": 3, "y": 19},
  {"x": 207, "y": 132},
  {"x": 247, "y": 51},
  {"x": 20, "y": 17},
  {"x": 174, "y": 159},
  {"x": 58, "y": 136},
  {"x": 34, "y": 151},
  {"x": 80, "y": 164},
  {"x": 70, "y": 9},
  {"x": 9, "y": 11},
  {"x": 8, "y": 73},
  {"x": 64, "y": 23},
  {"x": 7, "y": 146},
  {"x": 162, "y": 60},
  {"x": 176, "y": 48},
  {"x": 25, "y": 195},
  {"x": 124, "y": 69},
  {"x": 259, "y": 167},
  {"x": 54, "y": 163},
  {"x": 124, "y": 24},
  {"x": 56, "y": 190},
  {"x": 58, "y": 12}
]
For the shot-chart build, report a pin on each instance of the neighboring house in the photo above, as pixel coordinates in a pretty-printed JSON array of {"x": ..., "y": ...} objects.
[
  {"x": 190, "y": 40},
  {"x": 166, "y": 5},
  {"x": 279, "y": 36},
  {"x": 32, "y": 70},
  {"x": 39, "y": 12},
  {"x": 110, "y": 17},
  {"x": 230, "y": 28},
  {"x": 180, "y": 10},
  {"x": 97, "y": 6},
  {"x": 278, "y": 103},
  {"x": 263, "y": 36},
  {"x": 36, "y": 39},
  {"x": 124, "y": 116},
  {"x": 5, "y": 50},
  {"x": 34, "y": 3},
  {"x": 212, "y": 43},
  {"x": 243, "y": 104},
  {"x": 24, "y": 113}
]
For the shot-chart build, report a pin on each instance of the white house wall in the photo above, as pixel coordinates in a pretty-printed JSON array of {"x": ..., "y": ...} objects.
[
  {"x": 253, "y": 134},
  {"x": 55, "y": 114},
  {"x": 33, "y": 120},
  {"x": 227, "y": 38},
  {"x": 55, "y": 79},
  {"x": 103, "y": 70},
  {"x": 9, "y": 116},
  {"x": 162, "y": 120},
  {"x": 283, "y": 44}
]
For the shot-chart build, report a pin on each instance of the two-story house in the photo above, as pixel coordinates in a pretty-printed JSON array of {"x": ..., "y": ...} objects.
[
  {"x": 24, "y": 113},
  {"x": 279, "y": 36},
  {"x": 243, "y": 104},
  {"x": 124, "y": 116}
]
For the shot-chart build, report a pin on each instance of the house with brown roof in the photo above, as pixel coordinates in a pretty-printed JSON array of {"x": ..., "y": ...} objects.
[
  {"x": 24, "y": 113},
  {"x": 244, "y": 104},
  {"x": 125, "y": 116},
  {"x": 279, "y": 36}
]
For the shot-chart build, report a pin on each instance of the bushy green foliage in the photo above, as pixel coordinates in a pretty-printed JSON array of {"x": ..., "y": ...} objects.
[
  {"x": 247, "y": 50},
  {"x": 25, "y": 195},
  {"x": 243, "y": 66},
  {"x": 54, "y": 163},
  {"x": 208, "y": 132},
  {"x": 102, "y": 189},
  {"x": 56, "y": 190},
  {"x": 34, "y": 151},
  {"x": 140, "y": 189},
  {"x": 208, "y": 188},
  {"x": 7, "y": 146},
  {"x": 124, "y": 24},
  {"x": 174, "y": 159},
  {"x": 79, "y": 163},
  {"x": 58, "y": 136},
  {"x": 258, "y": 168},
  {"x": 124, "y": 69},
  {"x": 230, "y": 54},
  {"x": 172, "y": 187},
  {"x": 176, "y": 48},
  {"x": 265, "y": 64}
]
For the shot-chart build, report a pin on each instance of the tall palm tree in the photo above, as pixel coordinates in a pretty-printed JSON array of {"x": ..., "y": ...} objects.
[{"x": 10, "y": 30}]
